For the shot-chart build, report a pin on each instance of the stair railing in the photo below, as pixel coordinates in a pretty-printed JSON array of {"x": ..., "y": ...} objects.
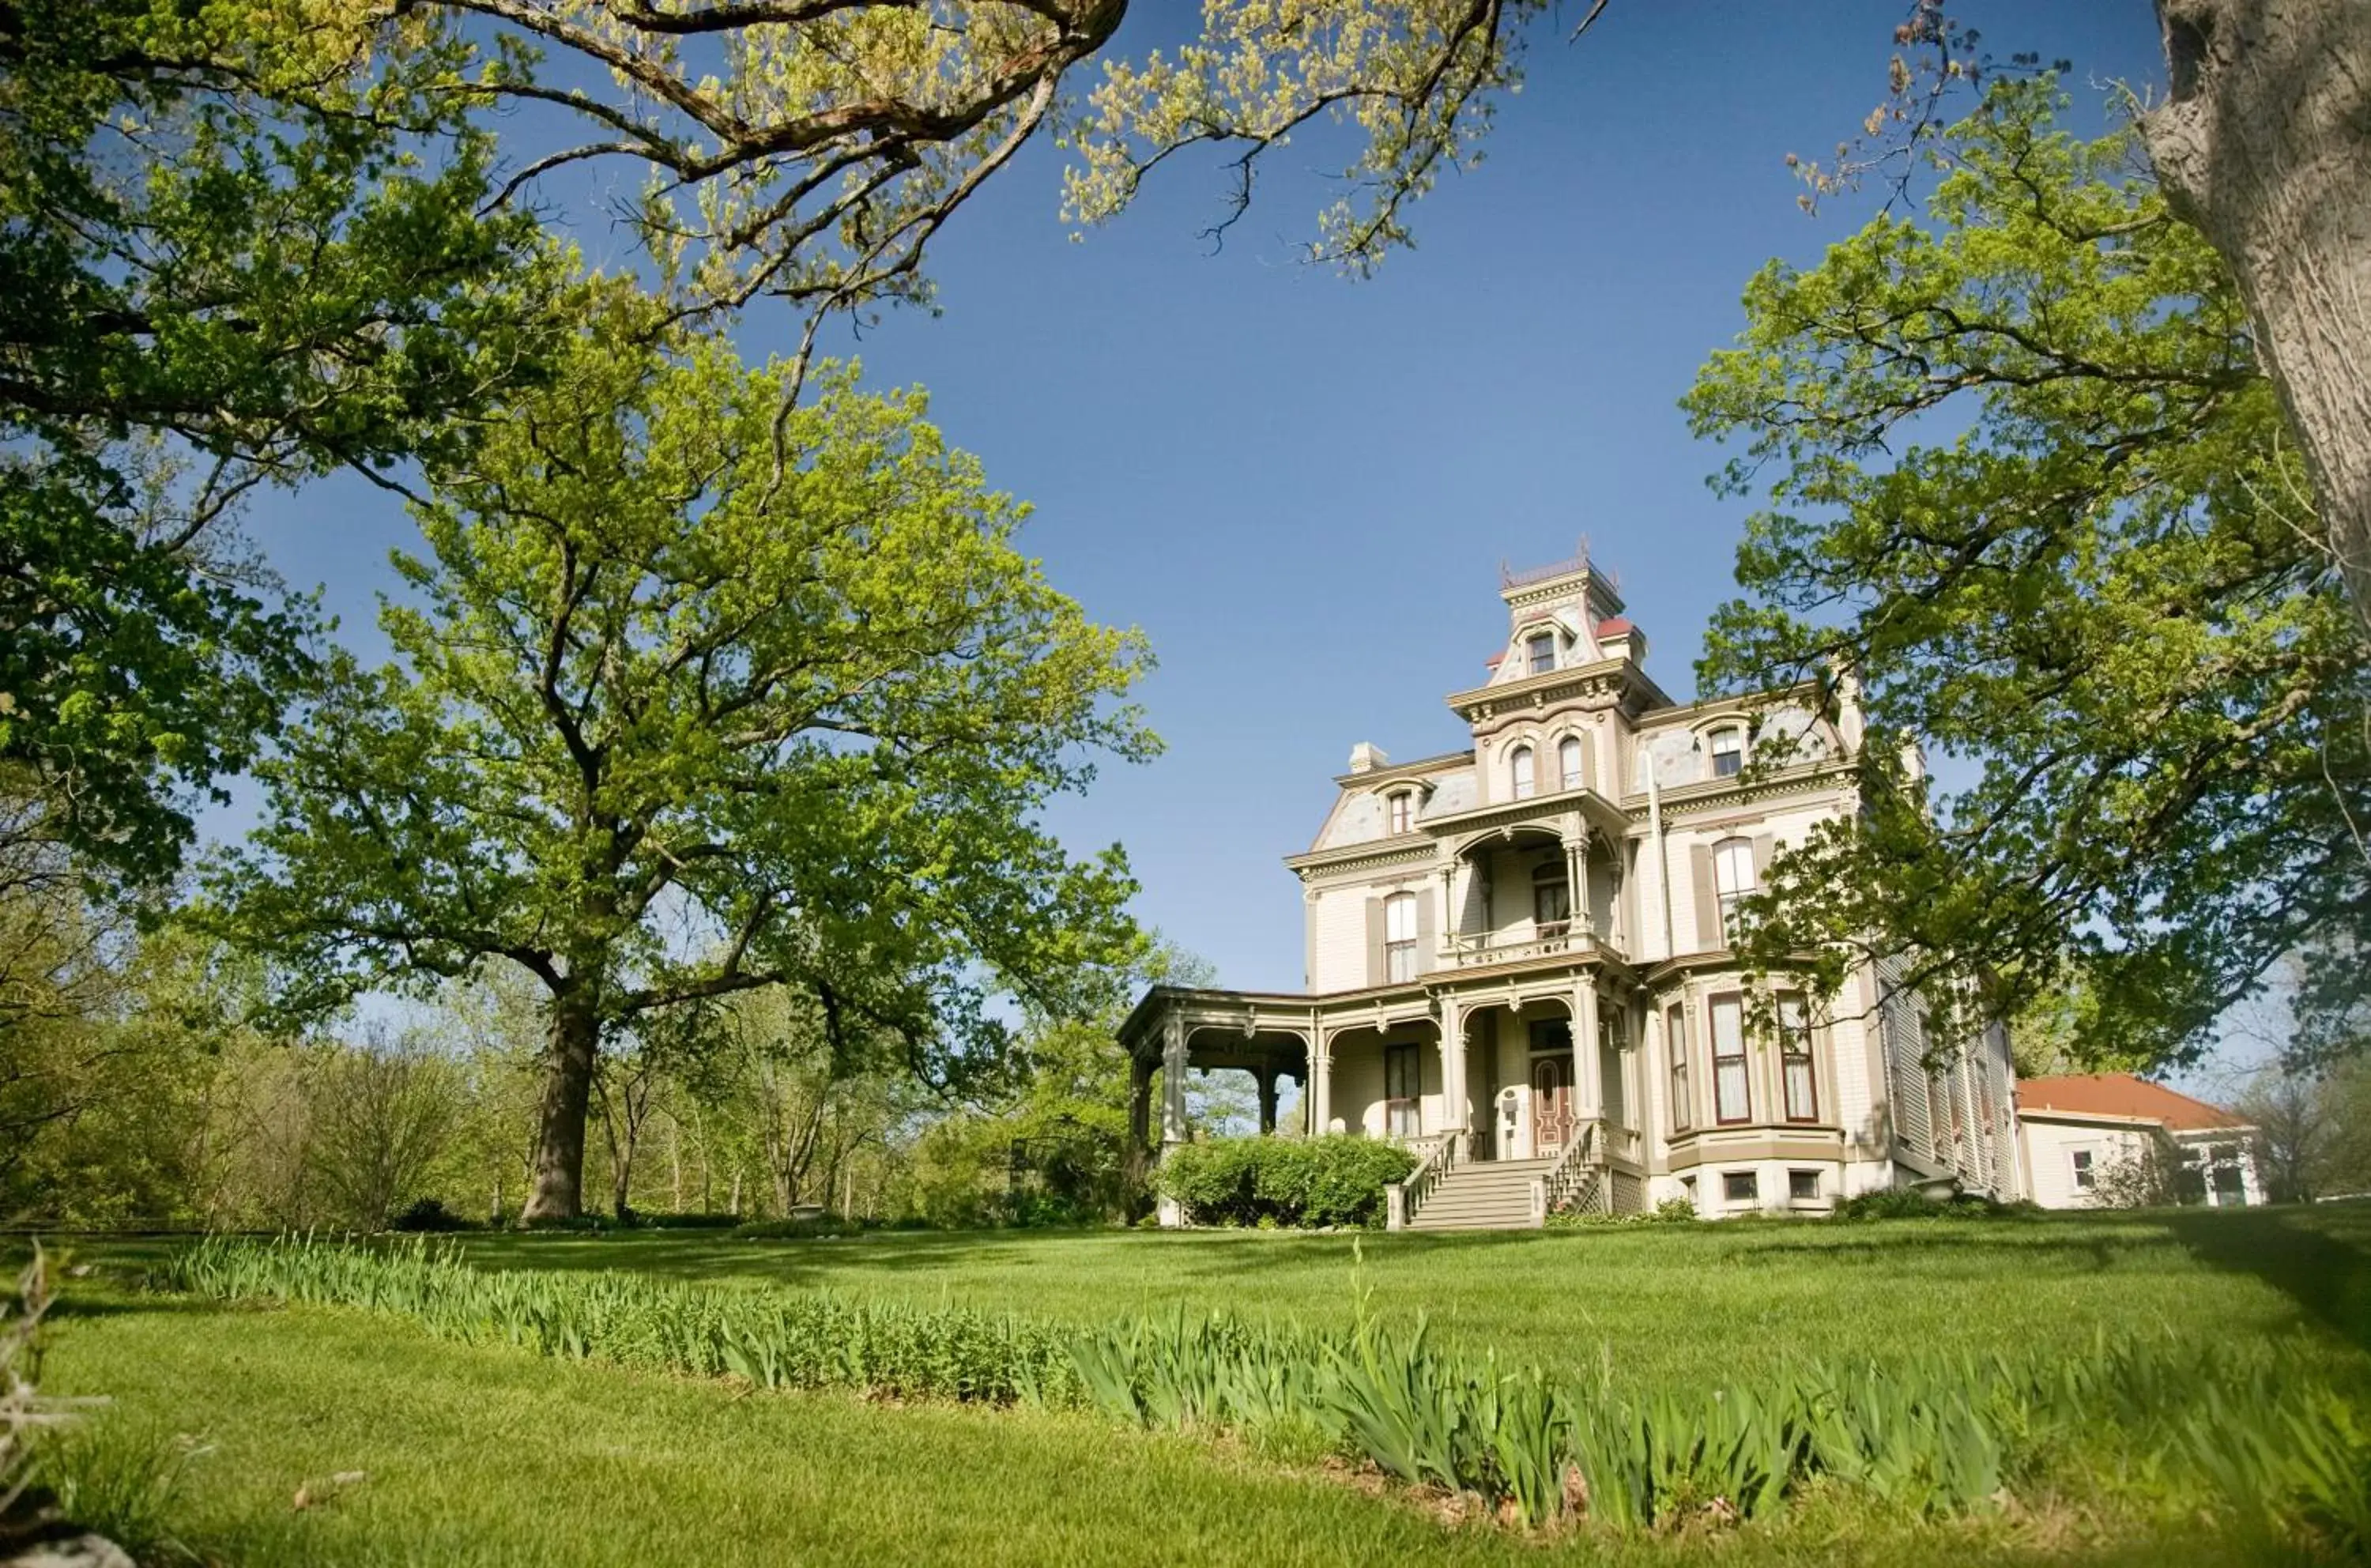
[
  {"x": 1576, "y": 1179},
  {"x": 1402, "y": 1199}
]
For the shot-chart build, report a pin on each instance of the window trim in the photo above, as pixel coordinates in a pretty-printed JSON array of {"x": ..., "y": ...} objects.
[
  {"x": 1675, "y": 1047},
  {"x": 1736, "y": 850},
  {"x": 1396, "y": 949},
  {"x": 1739, "y": 1059},
  {"x": 1753, "y": 1179},
  {"x": 1552, "y": 872},
  {"x": 1523, "y": 771},
  {"x": 1807, "y": 1057},
  {"x": 2085, "y": 1168},
  {"x": 1532, "y": 641},
  {"x": 1399, "y": 813},
  {"x": 1572, "y": 768},
  {"x": 1793, "y": 1177},
  {"x": 1716, "y": 753}
]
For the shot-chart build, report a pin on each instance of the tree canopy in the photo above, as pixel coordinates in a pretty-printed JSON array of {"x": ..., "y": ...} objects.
[
  {"x": 668, "y": 724},
  {"x": 2030, "y": 493}
]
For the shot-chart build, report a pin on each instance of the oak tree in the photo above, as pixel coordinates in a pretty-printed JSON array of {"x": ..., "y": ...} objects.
[
  {"x": 2027, "y": 489},
  {"x": 670, "y": 723}
]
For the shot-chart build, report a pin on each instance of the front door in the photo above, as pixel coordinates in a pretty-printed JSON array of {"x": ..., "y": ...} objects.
[{"x": 1551, "y": 1101}]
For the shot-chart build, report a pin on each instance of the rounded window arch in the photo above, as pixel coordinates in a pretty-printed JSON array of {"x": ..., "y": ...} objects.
[
  {"x": 1733, "y": 877},
  {"x": 1727, "y": 745},
  {"x": 1572, "y": 763},
  {"x": 1399, "y": 937},
  {"x": 1522, "y": 775}
]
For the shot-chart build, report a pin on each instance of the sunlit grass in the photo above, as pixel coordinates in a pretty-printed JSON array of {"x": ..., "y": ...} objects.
[{"x": 486, "y": 1454}]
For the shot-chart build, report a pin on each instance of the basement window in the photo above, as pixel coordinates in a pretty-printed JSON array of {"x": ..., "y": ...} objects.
[
  {"x": 1802, "y": 1186},
  {"x": 1740, "y": 1187}
]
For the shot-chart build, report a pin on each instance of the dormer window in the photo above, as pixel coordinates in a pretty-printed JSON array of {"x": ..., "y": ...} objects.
[
  {"x": 1520, "y": 773},
  {"x": 1539, "y": 652},
  {"x": 1727, "y": 753},
  {"x": 1399, "y": 811}
]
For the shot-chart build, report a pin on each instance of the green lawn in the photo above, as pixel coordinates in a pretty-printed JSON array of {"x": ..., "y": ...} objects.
[
  {"x": 1693, "y": 1304},
  {"x": 495, "y": 1457}
]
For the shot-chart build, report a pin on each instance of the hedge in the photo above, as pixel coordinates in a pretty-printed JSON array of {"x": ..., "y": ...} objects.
[{"x": 1301, "y": 1182}]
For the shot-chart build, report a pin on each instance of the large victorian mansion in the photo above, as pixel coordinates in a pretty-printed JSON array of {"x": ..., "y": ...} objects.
[{"x": 1517, "y": 961}]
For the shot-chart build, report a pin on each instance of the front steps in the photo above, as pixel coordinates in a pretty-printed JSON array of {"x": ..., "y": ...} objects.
[{"x": 1485, "y": 1195}]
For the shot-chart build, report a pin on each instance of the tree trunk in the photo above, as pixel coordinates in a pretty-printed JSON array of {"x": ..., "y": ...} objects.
[
  {"x": 555, "y": 1186},
  {"x": 2265, "y": 147}
]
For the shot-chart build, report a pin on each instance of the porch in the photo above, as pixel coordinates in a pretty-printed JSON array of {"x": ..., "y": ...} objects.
[{"x": 1531, "y": 1070}]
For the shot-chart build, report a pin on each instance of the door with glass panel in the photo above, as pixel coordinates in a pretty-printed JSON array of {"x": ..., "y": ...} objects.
[{"x": 1403, "y": 1090}]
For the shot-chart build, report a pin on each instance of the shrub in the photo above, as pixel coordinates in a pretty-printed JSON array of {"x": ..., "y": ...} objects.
[
  {"x": 1301, "y": 1181},
  {"x": 1671, "y": 1211},
  {"x": 1909, "y": 1203},
  {"x": 428, "y": 1214}
]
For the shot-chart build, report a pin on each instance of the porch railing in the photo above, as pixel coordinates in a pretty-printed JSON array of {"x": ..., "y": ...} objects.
[{"x": 1459, "y": 950}]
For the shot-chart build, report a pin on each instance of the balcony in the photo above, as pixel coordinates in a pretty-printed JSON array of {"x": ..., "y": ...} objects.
[{"x": 1549, "y": 940}]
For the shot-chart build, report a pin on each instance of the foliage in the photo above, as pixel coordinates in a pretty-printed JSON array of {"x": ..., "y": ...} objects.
[
  {"x": 1937, "y": 1435},
  {"x": 2297, "y": 1460},
  {"x": 2313, "y": 1128},
  {"x": 238, "y": 254},
  {"x": 1305, "y": 1182},
  {"x": 124, "y": 1479},
  {"x": 1671, "y": 1211},
  {"x": 427, "y": 1215},
  {"x": 1909, "y": 1203},
  {"x": 648, "y": 685},
  {"x": 2031, "y": 499}
]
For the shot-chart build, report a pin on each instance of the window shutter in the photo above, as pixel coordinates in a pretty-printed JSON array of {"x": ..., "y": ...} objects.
[
  {"x": 1708, "y": 933},
  {"x": 1426, "y": 943},
  {"x": 1375, "y": 972},
  {"x": 1765, "y": 846}
]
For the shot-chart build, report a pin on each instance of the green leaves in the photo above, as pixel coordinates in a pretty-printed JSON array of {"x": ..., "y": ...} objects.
[
  {"x": 2025, "y": 479},
  {"x": 695, "y": 694}
]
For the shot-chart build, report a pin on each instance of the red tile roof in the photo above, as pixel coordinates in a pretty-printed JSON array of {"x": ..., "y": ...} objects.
[
  {"x": 2120, "y": 1094},
  {"x": 1614, "y": 626},
  {"x": 1495, "y": 659}
]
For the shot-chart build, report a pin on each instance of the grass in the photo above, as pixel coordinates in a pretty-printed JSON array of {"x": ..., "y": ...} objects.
[
  {"x": 1689, "y": 1306},
  {"x": 484, "y": 1455}
]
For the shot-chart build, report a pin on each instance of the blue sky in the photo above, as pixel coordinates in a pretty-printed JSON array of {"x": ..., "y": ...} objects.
[{"x": 1301, "y": 487}]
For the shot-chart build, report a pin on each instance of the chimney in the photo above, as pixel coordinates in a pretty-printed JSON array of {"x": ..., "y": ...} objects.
[{"x": 1367, "y": 756}]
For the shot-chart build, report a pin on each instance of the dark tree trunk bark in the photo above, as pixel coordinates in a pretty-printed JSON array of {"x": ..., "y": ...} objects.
[
  {"x": 556, "y": 1185},
  {"x": 2265, "y": 146}
]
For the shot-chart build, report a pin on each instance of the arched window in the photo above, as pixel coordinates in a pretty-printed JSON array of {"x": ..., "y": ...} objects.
[
  {"x": 1727, "y": 753},
  {"x": 1568, "y": 769},
  {"x": 1551, "y": 894},
  {"x": 1520, "y": 773},
  {"x": 1399, "y": 937},
  {"x": 1398, "y": 812},
  {"x": 1732, "y": 879}
]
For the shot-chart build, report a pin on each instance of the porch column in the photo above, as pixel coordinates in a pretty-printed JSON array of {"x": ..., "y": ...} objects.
[
  {"x": 1266, "y": 1077},
  {"x": 1319, "y": 1100},
  {"x": 1456, "y": 1114},
  {"x": 1576, "y": 856},
  {"x": 1140, "y": 1116},
  {"x": 1172, "y": 1082},
  {"x": 1588, "y": 1081}
]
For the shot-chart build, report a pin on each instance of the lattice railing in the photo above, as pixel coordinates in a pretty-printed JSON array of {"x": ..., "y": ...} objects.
[{"x": 1576, "y": 1179}]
